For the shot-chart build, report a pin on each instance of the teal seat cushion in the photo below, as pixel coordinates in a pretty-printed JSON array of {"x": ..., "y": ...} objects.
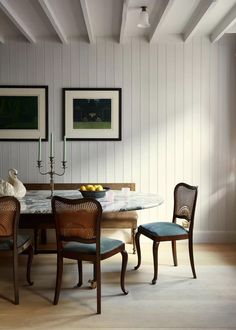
[
  {"x": 106, "y": 245},
  {"x": 8, "y": 243},
  {"x": 162, "y": 229}
]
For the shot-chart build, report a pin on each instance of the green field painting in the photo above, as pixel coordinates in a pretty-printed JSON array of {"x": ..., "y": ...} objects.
[{"x": 92, "y": 113}]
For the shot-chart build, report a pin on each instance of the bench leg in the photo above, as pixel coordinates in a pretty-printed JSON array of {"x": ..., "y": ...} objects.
[
  {"x": 133, "y": 230},
  {"x": 43, "y": 238},
  {"x": 36, "y": 234}
]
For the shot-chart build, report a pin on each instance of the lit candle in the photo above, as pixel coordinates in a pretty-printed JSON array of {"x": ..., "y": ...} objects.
[
  {"x": 39, "y": 150},
  {"x": 64, "y": 149},
  {"x": 51, "y": 145}
]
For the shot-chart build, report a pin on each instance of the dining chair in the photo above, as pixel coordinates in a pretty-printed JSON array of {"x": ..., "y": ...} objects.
[
  {"x": 185, "y": 198},
  {"x": 10, "y": 240},
  {"x": 78, "y": 234}
]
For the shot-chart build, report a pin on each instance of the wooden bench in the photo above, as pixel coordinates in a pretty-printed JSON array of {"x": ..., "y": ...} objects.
[{"x": 112, "y": 220}]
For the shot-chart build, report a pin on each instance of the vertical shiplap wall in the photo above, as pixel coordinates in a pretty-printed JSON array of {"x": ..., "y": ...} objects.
[{"x": 178, "y": 119}]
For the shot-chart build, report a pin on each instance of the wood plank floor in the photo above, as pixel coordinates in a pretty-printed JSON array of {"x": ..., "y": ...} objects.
[{"x": 177, "y": 301}]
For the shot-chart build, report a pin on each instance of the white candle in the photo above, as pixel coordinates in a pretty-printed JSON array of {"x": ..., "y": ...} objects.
[
  {"x": 51, "y": 145},
  {"x": 64, "y": 149},
  {"x": 39, "y": 150}
]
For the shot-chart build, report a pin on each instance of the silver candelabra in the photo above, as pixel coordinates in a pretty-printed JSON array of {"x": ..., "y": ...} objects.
[{"x": 52, "y": 171}]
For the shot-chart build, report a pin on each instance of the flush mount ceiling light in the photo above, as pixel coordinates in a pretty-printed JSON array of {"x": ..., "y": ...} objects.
[{"x": 143, "y": 18}]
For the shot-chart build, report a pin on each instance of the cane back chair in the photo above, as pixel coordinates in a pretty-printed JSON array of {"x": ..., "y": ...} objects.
[
  {"x": 10, "y": 240},
  {"x": 185, "y": 197},
  {"x": 78, "y": 237}
]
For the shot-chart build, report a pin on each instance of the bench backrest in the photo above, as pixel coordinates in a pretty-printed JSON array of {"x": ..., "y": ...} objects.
[{"x": 75, "y": 186}]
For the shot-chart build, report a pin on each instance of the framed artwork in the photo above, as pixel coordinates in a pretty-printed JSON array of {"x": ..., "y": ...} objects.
[
  {"x": 23, "y": 113},
  {"x": 92, "y": 113}
]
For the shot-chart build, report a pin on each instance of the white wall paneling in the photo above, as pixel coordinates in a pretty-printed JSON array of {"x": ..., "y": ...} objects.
[{"x": 178, "y": 119}]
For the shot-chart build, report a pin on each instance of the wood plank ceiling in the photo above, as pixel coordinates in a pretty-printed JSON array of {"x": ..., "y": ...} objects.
[{"x": 62, "y": 20}]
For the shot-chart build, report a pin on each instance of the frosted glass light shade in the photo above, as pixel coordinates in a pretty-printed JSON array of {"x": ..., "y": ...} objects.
[{"x": 143, "y": 18}]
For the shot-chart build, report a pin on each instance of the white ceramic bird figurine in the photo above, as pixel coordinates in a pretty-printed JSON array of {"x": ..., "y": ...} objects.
[
  {"x": 19, "y": 188},
  {"x": 6, "y": 189}
]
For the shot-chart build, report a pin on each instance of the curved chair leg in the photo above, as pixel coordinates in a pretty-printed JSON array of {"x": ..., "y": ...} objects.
[
  {"x": 190, "y": 247},
  {"x": 123, "y": 270},
  {"x": 137, "y": 242},
  {"x": 155, "y": 260},
  {"x": 98, "y": 279},
  {"x": 80, "y": 272},
  {"x": 173, "y": 243},
  {"x": 133, "y": 239},
  {"x": 59, "y": 277},
  {"x": 15, "y": 276},
  {"x": 30, "y": 252},
  {"x": 94, "y": 272}
]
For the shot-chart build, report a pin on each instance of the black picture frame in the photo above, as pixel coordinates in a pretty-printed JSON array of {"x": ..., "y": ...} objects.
[
  {"x": 92, "y": 114},
  {"x": 23, "y": 113}
]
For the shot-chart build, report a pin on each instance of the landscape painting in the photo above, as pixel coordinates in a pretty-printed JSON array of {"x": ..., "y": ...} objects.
[{"x": 92, "y": 113}]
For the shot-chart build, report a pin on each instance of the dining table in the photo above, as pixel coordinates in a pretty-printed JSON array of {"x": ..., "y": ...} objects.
[
  {"x": 38, "y": 201},
  {"x": 36, "y": 210}
]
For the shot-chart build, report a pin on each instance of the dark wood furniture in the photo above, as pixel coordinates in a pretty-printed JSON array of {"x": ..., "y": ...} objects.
[
  {"x": 78, "y": 229},
  {"x": 114, "y": 220},
  {"x": 10, "y": 240},
  {"x": 185, "y": 197}
]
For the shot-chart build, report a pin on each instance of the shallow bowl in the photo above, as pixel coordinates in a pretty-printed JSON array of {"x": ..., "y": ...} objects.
[{"x": 94, "y": 194}]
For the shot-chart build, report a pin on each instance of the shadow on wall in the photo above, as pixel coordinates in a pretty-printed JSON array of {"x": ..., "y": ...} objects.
[{"x": 223, "y": 189}]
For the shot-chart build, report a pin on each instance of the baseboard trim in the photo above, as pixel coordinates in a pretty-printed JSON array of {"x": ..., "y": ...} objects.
[{"x": 214, "y": 236}]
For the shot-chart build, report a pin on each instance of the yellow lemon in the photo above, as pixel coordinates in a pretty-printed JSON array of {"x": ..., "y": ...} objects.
[
  {"x": 99, "y": 188},
  {"x": 83, "y": 188}
]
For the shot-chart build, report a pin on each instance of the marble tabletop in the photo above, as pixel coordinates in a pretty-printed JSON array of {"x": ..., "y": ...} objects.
[{"x": 36, "y": 201}]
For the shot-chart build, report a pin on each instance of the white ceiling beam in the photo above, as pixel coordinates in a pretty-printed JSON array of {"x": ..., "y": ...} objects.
[
  {"x": 124, "y": 20},
  {"x": 53, "y": 20},
  {"x": 201, "y": 10},
  {"x": 11, "y": 13},
  {"x": 88, "y": 21},
  {"x": 228, "y": 21},
  {"x": 159, "y": 19}
]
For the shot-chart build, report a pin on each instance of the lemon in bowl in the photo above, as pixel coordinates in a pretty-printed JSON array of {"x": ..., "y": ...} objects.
[{"x": 93, "y": 191}]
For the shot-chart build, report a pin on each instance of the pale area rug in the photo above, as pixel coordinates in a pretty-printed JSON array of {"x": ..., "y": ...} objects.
[{"x": 177, "y": 301}]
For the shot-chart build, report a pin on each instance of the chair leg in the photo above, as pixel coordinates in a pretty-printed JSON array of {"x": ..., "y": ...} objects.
[
  {"x": 123, "y": 270},
  {"x": 173, "y": 243},
  {"x": 137, "y": 243},
  {"x": 15, "y": 276},
  {"x": 98, "y": 280},
  {"x": 190, "y": 247},
  {"x": 94, "y": 272},
  {"x": 133, "y": 239},
  {"x": 80, "y": 272},
  {"x": 155, "y": 260},
  {"x": 59, "y": 278},
  {"x": 30, "y": 252}
]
